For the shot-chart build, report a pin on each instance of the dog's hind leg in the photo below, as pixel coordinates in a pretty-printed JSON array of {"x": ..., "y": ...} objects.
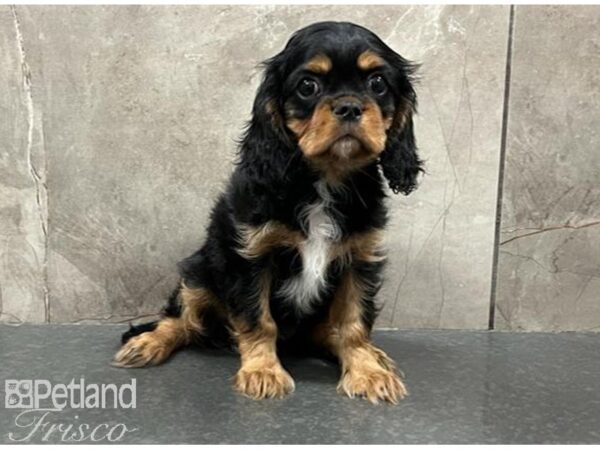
[{"x": 152, "y": 343}]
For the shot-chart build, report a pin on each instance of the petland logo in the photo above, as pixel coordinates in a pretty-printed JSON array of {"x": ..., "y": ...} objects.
[
  {"x": 41, "y": 401},
  {"x": 75, "y": 395}
]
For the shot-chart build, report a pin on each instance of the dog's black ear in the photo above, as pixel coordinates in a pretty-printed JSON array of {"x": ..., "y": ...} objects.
[
  {"x": 400, "y": 161},
  {"x": 266, "y": 148},
  {"x": 267, "y": 110}
]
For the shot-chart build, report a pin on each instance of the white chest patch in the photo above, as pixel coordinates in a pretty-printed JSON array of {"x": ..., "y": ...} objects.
[{"x": 322, "y": 232}]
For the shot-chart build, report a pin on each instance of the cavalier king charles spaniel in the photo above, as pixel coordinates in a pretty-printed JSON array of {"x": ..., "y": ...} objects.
[{"x": 293, "y": 251}]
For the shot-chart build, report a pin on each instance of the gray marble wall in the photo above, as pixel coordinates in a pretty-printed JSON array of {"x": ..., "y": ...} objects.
[
  {"x": 118, "y": 130},
  {"x": 549, "y": 265}
]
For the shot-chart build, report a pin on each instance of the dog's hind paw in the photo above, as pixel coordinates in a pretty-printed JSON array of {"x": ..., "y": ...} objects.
[{"x": 143, "y": 350}]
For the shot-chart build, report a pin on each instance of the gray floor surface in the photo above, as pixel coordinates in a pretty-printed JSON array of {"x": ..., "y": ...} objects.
[{"x": 466, "y": 387}]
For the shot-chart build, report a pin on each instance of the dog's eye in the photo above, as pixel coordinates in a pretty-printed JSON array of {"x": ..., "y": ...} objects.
[
  {"x": 308, "y": 88},
  {"x": 377, "y": 85}
]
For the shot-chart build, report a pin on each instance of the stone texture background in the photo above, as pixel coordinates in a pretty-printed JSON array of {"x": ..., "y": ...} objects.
[
  {"x": 118, "y": 129},
  {"x": 549, "y": 265}
]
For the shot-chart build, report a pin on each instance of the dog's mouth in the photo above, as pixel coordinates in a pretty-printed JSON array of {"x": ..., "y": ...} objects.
[
  {"x": 344, "y": 153},
  {"x": 358, "y": 140},
  {"x": 346, "y": 147}
]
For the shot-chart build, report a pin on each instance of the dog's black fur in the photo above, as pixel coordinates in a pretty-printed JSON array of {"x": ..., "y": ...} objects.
[{"x": 274, "y": 181}]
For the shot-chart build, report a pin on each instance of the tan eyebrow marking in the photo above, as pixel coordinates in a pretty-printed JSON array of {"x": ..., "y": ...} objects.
[
  {"x": 319, "y": 64},
  {"x": 368, "y": 60}
]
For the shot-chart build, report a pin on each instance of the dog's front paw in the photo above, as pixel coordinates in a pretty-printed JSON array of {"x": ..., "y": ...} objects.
[
  {"x": 264, "y": 382},
  {"x": 374, "y": 384},
  {"x": 143, "y": 350}
]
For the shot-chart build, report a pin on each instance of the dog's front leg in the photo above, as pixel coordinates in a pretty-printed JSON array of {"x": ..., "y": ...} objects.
[
  {"x": 366, "y": 370},
  {"x": 261, "y": 374}
]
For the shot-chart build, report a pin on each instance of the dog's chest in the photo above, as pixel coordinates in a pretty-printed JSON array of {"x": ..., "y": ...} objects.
[{"x": 323, "y": 234}]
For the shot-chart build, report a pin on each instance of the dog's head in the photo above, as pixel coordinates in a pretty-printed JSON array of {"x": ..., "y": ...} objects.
[{"x": 344, "y": 99}]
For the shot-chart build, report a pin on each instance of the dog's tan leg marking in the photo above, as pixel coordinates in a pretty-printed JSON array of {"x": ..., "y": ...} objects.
[
  {"x": 364, "y": 247},
  {"x": 261, "y": 374},
  {"x": 258, "y": 241},
  {"x": 366, "y": 370},
  {"x": 154, "y": 347}
]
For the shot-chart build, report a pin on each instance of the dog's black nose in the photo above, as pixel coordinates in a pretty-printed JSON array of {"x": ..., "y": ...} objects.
[{"x": 348, "y": 110}]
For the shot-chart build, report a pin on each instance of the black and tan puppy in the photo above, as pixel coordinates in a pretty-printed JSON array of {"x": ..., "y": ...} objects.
[{"x": 293, "y": 248}]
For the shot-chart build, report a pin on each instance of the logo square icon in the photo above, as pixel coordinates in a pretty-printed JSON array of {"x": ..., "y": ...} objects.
[{"x": 18, "y": 394}]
